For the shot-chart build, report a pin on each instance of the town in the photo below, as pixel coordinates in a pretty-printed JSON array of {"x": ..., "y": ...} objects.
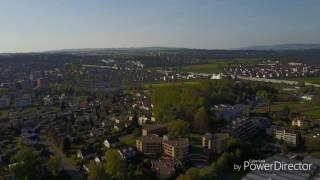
[{"x": 122, "y": 119}]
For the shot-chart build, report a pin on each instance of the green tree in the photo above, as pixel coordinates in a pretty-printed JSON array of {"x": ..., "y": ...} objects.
[
  {"x": 96, "y": 171},
  {"x": 193, "y": 173},
  {"x": 285, "y": 148},
  {"x": 115, "y": 165},
  {"x": 178, "y": 128},
  {"x": 266, "y": 96},
  {"x": 54, "y": 166},
  {"x": 223, "y": 162},
  {"x": 201, "y": 120},
  {"x": 312, "y": 144},
  {"x": 287, "y": 112},
  {"x": 66, "y": 145},
  {"x": 28, "y": 164}
]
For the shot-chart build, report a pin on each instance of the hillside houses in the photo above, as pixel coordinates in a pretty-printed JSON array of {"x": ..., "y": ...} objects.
[{"x": 275, "y": 70}]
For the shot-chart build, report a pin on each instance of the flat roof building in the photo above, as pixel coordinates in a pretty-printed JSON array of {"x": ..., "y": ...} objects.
[
  {"x": 176, "y": 149},
  {"x": 151, "y": 144},
  {"x": 158, "y": 129},
  {"x": 301, "y": 122},
  {"x": 215, "y": 143}
]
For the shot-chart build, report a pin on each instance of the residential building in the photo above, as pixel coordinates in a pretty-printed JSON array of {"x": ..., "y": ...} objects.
[
  {"x": 151, "y": 144},
  {"x": 176, "y": 149},
  {"x": 23, "y": 101},
  {"x": 43, "y": 82},
  {"x": 307, "y": 97},
  {"x": 289, "y": 136},
  {"x": 164, "y": 168},
  {"x": 215, "y": 143},
  {"x": 229, "y": 113},
  {"x": 111, "y": 142},
  {"x": 158, "y": 129},
  {"x": 301, "y": 122},
  {"x": 243, "y": 129}
]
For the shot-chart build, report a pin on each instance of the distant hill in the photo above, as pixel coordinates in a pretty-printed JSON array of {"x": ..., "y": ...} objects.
[
  {"x": 99, "y": 51},
  {"x": 280, "y": 47}
]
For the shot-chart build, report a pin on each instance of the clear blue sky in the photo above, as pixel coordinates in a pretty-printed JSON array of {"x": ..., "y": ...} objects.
[{"x": 37, "y": 25}]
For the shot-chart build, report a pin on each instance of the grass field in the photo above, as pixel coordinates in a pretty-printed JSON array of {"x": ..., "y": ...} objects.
[
  {"x": 216, "y": 66},
  {"x": 311, "y": 110},
  {"x": 313, "y": 80},
  {"x": 164, "y": 84},
  {"x": 205, "y": 68}
]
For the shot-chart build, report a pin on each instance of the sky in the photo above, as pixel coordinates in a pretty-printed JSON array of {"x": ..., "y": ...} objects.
[{"x": 40, "y": 25}]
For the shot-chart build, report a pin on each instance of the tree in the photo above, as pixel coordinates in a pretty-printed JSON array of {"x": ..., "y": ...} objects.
[
  {"x": 287, "y": 112},
  {"x": 28, "y": 164},
  {"x": 285, "y": 148},
  {"x": 312, "y": 144},
  {"x": 178, "y": 128},
  {"x": 193, "y": 173},
  {"x": 96, "y": 171},
  {"x": 63, "y": 106},
  {"x": 201, "y": 120},
  {"x": 223, "y": 163},
  {"x": 66, "y": 144},
  {"x": 183, "y": 177},
  {"x": 266, "y": 96},
  {"x": 54, "y": 166},
  {"x": 115, "y": 164}
]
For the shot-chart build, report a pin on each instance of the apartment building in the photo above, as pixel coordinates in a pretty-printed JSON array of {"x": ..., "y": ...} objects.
[
  {"x": 151, "y": 144},
  {"x": 215, "y": 143},
  {"x": 301, "y": 122},
  {"x": 176, "y": 149},
  {"x": 286, "y": 135},
  {"x": 158, "y": 129}
]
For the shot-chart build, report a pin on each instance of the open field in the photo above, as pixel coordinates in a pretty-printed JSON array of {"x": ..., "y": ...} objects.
[
  {"x": 205, "y": 68},
  {"x": 216, "y": 66},
  {"x": 313, "y": 80},
  {"x": 155, "y": 85},
  {"x": 311, "y": 110}
]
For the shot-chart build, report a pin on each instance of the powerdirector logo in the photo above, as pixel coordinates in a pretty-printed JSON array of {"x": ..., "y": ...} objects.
[{"x": 262, "y": 165}]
